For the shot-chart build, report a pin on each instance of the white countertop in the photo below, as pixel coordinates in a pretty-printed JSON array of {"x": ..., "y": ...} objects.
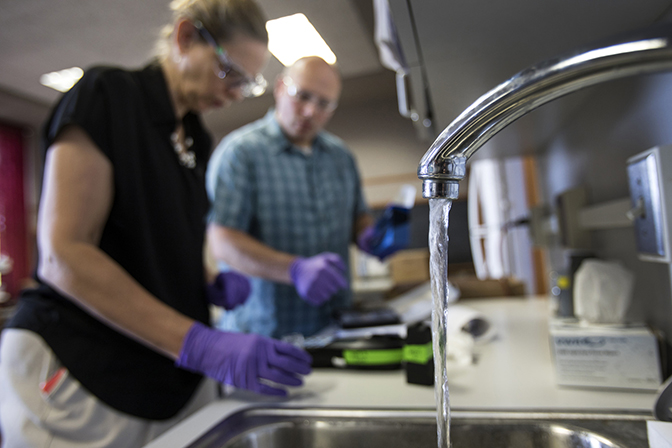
[{"x": 513, "y": 371}]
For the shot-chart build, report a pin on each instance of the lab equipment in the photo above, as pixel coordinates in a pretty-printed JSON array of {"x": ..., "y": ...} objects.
[
  {"x": 391, "y": 232},
  {"x": 379, "y": 352},
  {"x": 418, "y": 356}
]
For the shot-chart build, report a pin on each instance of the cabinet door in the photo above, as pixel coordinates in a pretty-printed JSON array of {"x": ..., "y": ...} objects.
[
  {"x": 467, "y": 48},
  {"x": 412, "y": 89}
]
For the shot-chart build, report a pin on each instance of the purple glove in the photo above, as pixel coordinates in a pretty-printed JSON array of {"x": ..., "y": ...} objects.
[
  {"x": 243, "y": 360},
  {"x": 317, "y": 278},
  {"x": 366, "y": 239},
  {"x": 229, "y": 290}
]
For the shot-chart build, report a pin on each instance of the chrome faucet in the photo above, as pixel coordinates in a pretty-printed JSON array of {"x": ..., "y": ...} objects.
[{"x": 444, "y": 163}]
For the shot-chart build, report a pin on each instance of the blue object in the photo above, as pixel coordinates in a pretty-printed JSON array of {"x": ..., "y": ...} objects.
[{"x": 389, "y": 234}]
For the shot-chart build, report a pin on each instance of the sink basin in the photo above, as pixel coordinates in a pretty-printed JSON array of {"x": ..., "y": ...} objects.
[{"x": 371, "y": 428}]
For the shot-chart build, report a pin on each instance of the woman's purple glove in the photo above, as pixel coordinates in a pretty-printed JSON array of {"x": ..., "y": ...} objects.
[
  {"x": 229, "y": 290},
  {"x": 317, "y": 278},
  {"x": 243, "y": 360}
]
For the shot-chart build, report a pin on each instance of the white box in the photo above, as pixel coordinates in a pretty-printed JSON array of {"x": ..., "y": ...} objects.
[
  {"x": 605, "y": 356},
  {"x": 659, "y": 434}
]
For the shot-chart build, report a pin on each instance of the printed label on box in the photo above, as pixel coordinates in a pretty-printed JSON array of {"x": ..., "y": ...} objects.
[{"x": 589, "y": 358}]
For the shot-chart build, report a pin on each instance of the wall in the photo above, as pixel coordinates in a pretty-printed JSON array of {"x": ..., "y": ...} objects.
[
  {"x": 29, "y": 115},
  {"x": 613, "y": 122},
  {"x": 384, "y": 144}
]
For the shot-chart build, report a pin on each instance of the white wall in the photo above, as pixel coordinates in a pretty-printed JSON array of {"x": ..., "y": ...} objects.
[{"x": 384, "y": 144}]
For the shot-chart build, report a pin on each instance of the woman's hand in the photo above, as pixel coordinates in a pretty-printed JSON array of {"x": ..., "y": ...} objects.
[
  {"x": 246, "y": 361},
  {"x": 229, "y": 290}
]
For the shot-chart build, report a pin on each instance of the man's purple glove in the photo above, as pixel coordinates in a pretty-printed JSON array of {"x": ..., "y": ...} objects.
[
  {"x": 229, "y": 290},
  {"x": 317, "y": 278},
  {"x": 243, "y": 360}
]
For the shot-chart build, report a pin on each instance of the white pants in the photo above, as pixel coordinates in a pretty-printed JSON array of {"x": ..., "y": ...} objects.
[{"x": 42, "y": 406}]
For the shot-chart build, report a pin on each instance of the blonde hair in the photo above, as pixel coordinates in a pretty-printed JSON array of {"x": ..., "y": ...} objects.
[{"x": 224, "y": 19}]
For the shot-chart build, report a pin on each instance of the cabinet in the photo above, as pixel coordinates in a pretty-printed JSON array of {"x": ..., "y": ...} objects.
[{"x": 459, "y": 50}]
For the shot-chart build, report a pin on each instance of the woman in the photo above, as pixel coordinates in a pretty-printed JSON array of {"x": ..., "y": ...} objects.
[{"x": 111, "y": 347}]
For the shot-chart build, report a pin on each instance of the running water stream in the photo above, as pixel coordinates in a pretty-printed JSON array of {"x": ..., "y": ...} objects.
[{"x": 439, "y": 210}]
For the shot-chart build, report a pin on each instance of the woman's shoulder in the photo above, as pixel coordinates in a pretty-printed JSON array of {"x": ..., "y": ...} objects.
[{"x": 111, "y": 79}]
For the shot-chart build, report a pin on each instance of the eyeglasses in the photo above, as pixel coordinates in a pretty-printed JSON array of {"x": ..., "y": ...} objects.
[
  {"x": 238, "y": 79},
  {"x": 304, "y": 97}
]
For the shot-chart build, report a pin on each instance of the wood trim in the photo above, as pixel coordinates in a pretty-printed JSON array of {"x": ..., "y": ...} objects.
[
  {"x": 533, "y": 194},
  {"x": 390, "y": 179},
  {"x": 531, "y": 181}
]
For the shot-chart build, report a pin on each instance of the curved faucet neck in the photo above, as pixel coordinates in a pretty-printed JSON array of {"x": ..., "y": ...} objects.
[{"x": 646, "y": 51}]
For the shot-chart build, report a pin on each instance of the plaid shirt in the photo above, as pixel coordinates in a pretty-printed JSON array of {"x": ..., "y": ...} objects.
[{"x": 259, "y": 183}]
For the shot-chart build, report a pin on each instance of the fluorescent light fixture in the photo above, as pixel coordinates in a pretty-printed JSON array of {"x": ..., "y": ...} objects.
[
  {"x": 63, "y": 79},
  {"x": 293, "y": 37}
]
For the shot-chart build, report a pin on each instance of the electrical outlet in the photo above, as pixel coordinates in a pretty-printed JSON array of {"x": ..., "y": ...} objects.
[{"x": 647, "y": 174}]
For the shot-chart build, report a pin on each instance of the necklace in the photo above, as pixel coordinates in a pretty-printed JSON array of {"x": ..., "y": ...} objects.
[{"x": 187, "y": 158}]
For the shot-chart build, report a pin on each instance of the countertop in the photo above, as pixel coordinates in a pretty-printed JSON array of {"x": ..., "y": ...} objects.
[{"x": 512, "y": 371}]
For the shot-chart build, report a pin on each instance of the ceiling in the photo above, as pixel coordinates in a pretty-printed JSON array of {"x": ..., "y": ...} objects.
[
  {"x": 474, "y": 44},
  {"x": 40, "y": 36}
]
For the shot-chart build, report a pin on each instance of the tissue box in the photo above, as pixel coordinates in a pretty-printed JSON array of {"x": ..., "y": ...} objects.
[{"x": 605, "y": 356}]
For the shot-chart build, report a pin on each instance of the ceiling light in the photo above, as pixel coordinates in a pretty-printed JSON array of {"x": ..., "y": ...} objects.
[
  {"x": 63, "y": 79},
  {"x": 293, "y": 37}
]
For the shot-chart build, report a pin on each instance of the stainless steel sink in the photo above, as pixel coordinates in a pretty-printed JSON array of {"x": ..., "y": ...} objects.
[{"x": 327, "y": 428}]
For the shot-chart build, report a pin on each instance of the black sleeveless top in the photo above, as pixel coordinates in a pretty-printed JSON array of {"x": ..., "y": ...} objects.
[{"x": 155, "y": 231}]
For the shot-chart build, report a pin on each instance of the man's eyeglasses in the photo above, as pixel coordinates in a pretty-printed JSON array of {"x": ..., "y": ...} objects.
[
  {"x": 248, "y": 85},
  {"x": 304, "y": 97}
]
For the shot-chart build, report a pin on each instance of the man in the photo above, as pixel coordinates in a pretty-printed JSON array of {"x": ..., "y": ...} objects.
[{"x": 287, "y": 202}]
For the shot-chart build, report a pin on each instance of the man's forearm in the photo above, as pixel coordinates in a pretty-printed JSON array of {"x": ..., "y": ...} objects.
[{"x": 248, "y": 255}]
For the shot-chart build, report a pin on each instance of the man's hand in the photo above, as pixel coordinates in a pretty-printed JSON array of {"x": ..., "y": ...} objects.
[{"x": 317, "y": 278}]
